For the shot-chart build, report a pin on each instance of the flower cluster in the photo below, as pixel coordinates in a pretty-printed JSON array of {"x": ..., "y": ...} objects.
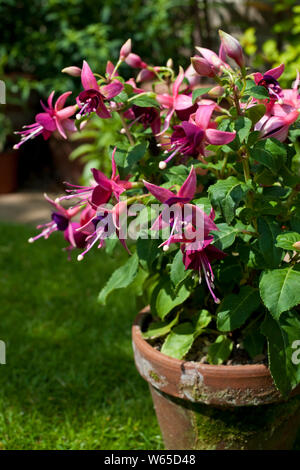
[{"x": 211, "y": 144}]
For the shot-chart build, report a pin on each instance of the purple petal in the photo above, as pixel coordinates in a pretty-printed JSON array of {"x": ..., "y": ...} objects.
[
  {"x": 161, "y": 194},
  {"x": 188, "y": 188},
  {"x": 46, "y": 121},
  {"x": 276, "y": 72}
]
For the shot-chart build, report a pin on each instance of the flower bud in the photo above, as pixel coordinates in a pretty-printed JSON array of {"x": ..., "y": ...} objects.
[
  {"x": 125, "y": 49},
  {"x": 135, "y": 61},
  {"x": 297, "y": 245},
  {"x": 170, "y": 63},
  {"x": 216, "y": 92},
  {"x": 232, "y": 48},
  {"x": 202, "y": 67},
  {"x": 73, "y": 71},
  {"x": 145, "y": 75}
]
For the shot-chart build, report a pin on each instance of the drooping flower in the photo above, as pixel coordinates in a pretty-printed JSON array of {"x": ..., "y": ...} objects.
[
  {"x": 189, "y": 138},
  {"x": 181, "y": 217},
  {"x": 276, "y": 126},
  {"x": 200, "y": 260},
  {"x": 54, "y": 118},
  {"x": 269, "y": 81},
  {"x": 102, "y": 189},
  {"x": 174, "y": 102},
  {"x": 92, "y": 98},
  {"x": 147, "y": 116},
  {"x": 60, "y": 221}
]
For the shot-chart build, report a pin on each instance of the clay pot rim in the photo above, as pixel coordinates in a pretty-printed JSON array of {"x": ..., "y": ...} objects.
[{"x": 239, "y": 370}]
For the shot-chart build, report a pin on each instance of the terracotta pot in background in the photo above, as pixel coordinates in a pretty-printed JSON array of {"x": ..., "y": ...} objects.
[
  {"x": 8, "y": 171},
  {"x": 203, "y": 407}
]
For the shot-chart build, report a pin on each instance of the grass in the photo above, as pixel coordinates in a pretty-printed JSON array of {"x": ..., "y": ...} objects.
[{"x": 70, "y": 381}]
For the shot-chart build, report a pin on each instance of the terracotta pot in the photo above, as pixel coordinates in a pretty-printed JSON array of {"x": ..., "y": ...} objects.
[
  {"x": 201, "y": 406},
  {"x": 8, "y": 171}
]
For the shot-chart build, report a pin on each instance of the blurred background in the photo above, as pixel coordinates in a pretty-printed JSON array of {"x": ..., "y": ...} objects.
[{"x": 69, "y": 381}]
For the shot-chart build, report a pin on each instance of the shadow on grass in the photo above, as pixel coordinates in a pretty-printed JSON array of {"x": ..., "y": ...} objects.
[{"x": 69, "y": 381}]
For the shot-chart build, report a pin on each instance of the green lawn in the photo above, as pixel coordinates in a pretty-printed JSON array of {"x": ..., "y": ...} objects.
[{"x": 69, "y": 381}]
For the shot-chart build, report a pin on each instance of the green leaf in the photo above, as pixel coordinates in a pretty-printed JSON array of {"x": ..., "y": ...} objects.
[
  {"x": 258, "y": 92},
  {"x": 178, "y": 272},
  {"x": 268, "y": 230},
  {"x": 279, "y": 290},
  {"x": 145, "y": 101},
  {"x": 203, "y": 319},
  {"x": 120, "y": 278},
  {"x": 283, "y": 336},
  {"x": 136, "y": 153},
  {"x": 224, "y": 236},
  {"x": 242, "y": 127},
  {"x": 225, "y": 195},
  {"x": 179, "y": 341},
  {"x": 220, "y": 350},
  {"x": 158, "y": 329},
  {"x": 166, "y": 298},
  {"x": 286, "y": 240},
  {"x": 235, "y": 309},
  {"x": 254, "y": 343},
  {"x": 255, "y": 113},
  {"x": 147, "y": 249},
  {"x": 270, "y": 153},
  {"x": 199, "y": 92}
]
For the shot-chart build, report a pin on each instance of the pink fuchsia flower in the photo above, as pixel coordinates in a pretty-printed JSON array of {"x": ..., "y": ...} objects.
[
  {"x": 269, "y": 81},
  {"x": 54, "y": 118},
  {"x": 147, "y": 116},
  {"x": 103, "y": 188},
  {"x": 289, "y": 100},
  {"x": 174, "y": 102},
  {"x": 232, "y": 48},
  {"x": 276, "y": 126},
  {"x": 180, "y": 216},
  {"x": 102, "y": 225},
  {"x": 61, "y": 221},
  {"x": 91, "y": 99},
  {"x": 200, "y": 260},
  {"x": 189, "y": 138}
]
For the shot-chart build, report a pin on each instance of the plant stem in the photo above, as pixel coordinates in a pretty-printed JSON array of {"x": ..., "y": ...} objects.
[{"x": 125, "y": 127}]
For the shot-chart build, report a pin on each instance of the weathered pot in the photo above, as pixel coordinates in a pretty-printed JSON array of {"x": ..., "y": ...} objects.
[{"x": 201, "y": 406}]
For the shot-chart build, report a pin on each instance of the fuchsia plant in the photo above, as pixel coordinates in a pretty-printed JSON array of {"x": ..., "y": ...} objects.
[{"x": 224, "y": 163}]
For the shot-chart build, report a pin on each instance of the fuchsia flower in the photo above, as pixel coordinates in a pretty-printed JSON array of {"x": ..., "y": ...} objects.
[
  {"x": 269, "y": 81},
  {"x": 198, "y": 253},
  {"x": 147, "y": 116},
  {"x": 276, "y": 126},
  {"x": 200, "y": 260},
  {"x": 135, "y": 61},
  {"x": 100, "y": 192},
  {"x": 54, "y": 118},
  {"x": 61, "y": 221},
  {"x": 91, "y": 99},
  {"x": 174, "y": 102},
  {"x": 190, "y": 137}
]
